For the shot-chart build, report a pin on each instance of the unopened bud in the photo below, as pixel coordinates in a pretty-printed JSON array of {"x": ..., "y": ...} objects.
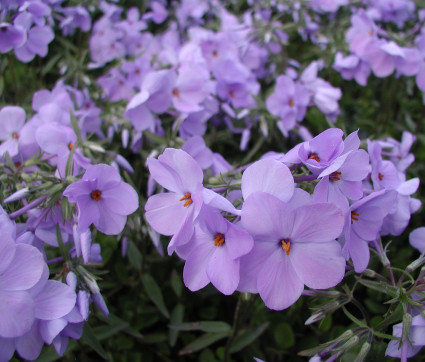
[
  {"x": 347, "y": 345},
  {"x": 363, "y": 352},
  {"x": 18, "y": 195}
]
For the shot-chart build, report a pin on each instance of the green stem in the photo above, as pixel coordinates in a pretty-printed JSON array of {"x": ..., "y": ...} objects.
[{"x": 234, "y": 328}]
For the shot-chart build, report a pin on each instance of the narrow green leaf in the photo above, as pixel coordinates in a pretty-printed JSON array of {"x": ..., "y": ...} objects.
[
  {"x": 90, "y": 339},
  {"x": 154, "y": 338},
  {"x": 214, "y": 327},
  {"x": 176, "y": 283},
  {"x": 134, "y": 255},
  {"x": 155, "y": 294},
  {"x": 202, "y": 342},
  {"x": 176, "y": 318},
  {"x": 247, "y": 337}
]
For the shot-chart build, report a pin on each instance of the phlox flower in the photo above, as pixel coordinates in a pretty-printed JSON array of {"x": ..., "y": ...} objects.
[
  {"x": 21, "y": 267},
  {"x": 213, "y": 253},
  {"x": 363, "y": 222},
  {"x": 412, "y": 346},
  {"x": 174, "y": 212},
  {"x": 294, "y": 245},
  {"x": 103, "y": 199}
]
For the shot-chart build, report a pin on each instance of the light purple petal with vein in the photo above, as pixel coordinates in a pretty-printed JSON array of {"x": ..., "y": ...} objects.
[
  {"x": 268, "y": 175},
  {"x": 278, "y": 283},
  {"x": 319, "y": 265},
  {"x": 223, "y": 271}
]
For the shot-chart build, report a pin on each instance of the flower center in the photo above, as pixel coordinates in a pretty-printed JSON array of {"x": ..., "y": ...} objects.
[
  {"x": 335, "y": 176},
  {"x": 15, "y": 135},
  {"x": 215, "y": 53},
  {"x": 286, "y": 245},
  {"x": 70, "y": 146},
  {"x": 188, "y": 197},
  {"x": 232, "y": 94},
  {"x": 96, "y": 195},
  {"x": 219, "y": 239},
  {"x": 314, "y": 156},
  {"x": 291, "y": 103},
  {"x": 176, "y": 92},
  {"x": 354, "y": 216},
  {"x": 380, "y": 176}
]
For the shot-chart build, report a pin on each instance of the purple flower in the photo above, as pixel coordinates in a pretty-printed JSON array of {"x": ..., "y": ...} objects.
[
  {"x": 213, "y": 253},
  {"x": 294, "y": 245},
  {"x": 103, "y": 199},
  {"x": 417, "y": 239},
  {"x": 12, "y": 119},
  {"x": 38, "y": 38},
  {"x": 411, "y": 346},
  {"x": 322, "y": 151},
  {"x": 75, "y": 17},
  {"x": 173, "y": 213},
  {"x": 21, "y": 267},
  {"x": 11, "y": 37},
  {"x": 362, "y": 225},
  {"x": 352, "y": 67},
  {"x": 289, "y": 101}
]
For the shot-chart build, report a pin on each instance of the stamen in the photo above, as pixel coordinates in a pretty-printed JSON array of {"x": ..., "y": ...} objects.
[
  {"x": 314, "y": 156},
  {"x": 188, "y": 197},
  {"x": 176, "y": 92},
  {"x": 70, "y": 146},
  {"x": 380, "y": 176},
  {"x": 15, "y": 135},
  {"x": 335, "y": 176},
  {"x": 232, "y": 94},
  {"x": 286, "y": 245},
  {"x": 354, "y": 216},
  {"x": 291, "y": 103},
  {"x": 219, "y": 239},
  {"x": 96, "y": 195}
]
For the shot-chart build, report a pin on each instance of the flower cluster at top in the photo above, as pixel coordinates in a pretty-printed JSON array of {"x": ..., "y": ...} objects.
[{"x": 161, "y": 80}]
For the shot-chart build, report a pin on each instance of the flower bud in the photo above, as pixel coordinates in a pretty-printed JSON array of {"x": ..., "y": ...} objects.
[{"x": 18, "y": 195}]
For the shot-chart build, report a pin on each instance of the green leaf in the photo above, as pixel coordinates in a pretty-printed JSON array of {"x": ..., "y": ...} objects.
[
  {"x": 284, "y": 335},
  {"x": 134, "y": 255},
  {"x": 91, "y": 340},
  {"x": 215, "y": 327},
  {"x": 155, "y": 294},
  {"x": 176, "y": 283},
  {"x": 176, "y": 318},
  {"x": 202, "y": 342},
  {"x": 247, "y": 337}
]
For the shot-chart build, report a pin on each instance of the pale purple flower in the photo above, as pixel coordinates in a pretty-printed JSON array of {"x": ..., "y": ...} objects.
[
  {"x": 75, "y": 17},
  {"x": 173, "y": 213},
  {"x": 103, "y": 199},
  {"x": 351, "y": 67},
  {"x": 289, "y": 102},
  {"x": 213, "y": 253},
  {"x": 363, "y": 222},
  {"x": 294, "y": 245},
  {"x": 412, "y": 346},
  {"x": 12, "y": 120},
  {"x": 38, "y": 38},
  {"x": 21, "y": 267},
  {"x": 417, "y": 239},
  {"x": 11, "y": 37}
]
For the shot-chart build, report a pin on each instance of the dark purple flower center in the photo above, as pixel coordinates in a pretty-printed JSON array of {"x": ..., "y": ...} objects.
[
  {"x": 3, "y": 28},
  {"x": 96, "y": 195},
  {"x": 15, "y": 135},
  {"x": 219, "y": 239},
  {"x": 354, "y": 216},
  {"x": 286, "y": 245},
  {"x": 187, "y": 198},
  {"x": 335, "y": 176},
  {"x": 314, "y": 156}
]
